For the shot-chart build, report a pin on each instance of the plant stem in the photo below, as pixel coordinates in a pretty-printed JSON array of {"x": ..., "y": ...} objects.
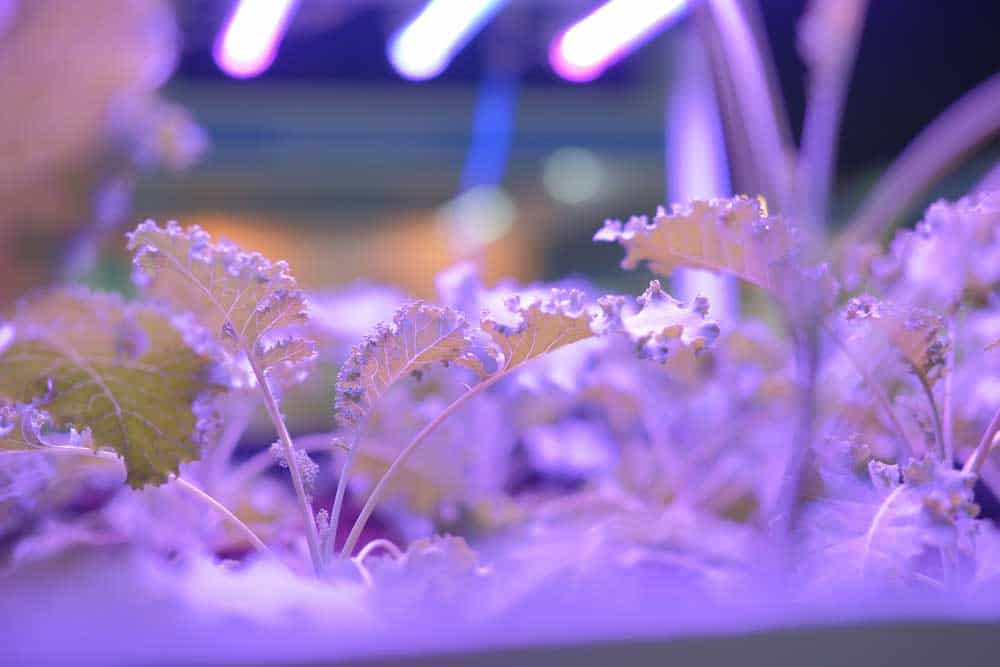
[
  {"x": 938, "y": 428},
  {"x": 876, "y": 522},
  {"x": 380, "y": 543},
  {"x": 225, "y": 511},
  {"x": 191, "y": 489},
  {"x": 828, "y": 84},
  {"x": 875, "y": 390},
  {"x": 338, "y": 500},
  {"x": 975, "y": 462},
  {"x": 380, "y": 488},
  {"x": 959, "y": 129},
  {"x": 949, "y": 418},
  {"x": 808, "y": 356},
  {"x": 746, "y": 58},
  {"x": 312, "y": 534}
]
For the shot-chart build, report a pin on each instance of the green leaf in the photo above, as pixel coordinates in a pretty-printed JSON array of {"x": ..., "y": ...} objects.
[
  {"x": 242, "y": 299},
  {"x": 119, "y": 370}
]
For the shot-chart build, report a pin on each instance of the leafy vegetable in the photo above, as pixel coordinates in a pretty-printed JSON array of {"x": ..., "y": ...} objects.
[
  {"x": 418, "y": 336},
  {"x": 880, "y": 518},
  {"x": 917, "y": 335},
  {"x": 120, "y": 371},
  {"x": 662, "y": 324},
  {"x": 523, "y": 332},
  {"x": 951, "y": 256},
  {"x": 249, "y": 308},
  {"x": 734, "y": 236},
  {"x": 242, "y": 300}
]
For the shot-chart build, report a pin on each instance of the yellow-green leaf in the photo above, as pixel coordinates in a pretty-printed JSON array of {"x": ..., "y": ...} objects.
[
  {"x": 240, "y": 297},
  {"x": 119, "y": 370}
]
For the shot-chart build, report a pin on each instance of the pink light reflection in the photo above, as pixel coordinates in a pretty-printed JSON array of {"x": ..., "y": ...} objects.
[
  {"x": 248, "y": 43},
  {"x": 612, "y": 31}
]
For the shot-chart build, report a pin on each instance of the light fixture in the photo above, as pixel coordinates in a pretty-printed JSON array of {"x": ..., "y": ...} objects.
[
  {"x": 612, "y": 31},
  {"x": 423, "y": 48},
  {"x": 248, "y": 43}
]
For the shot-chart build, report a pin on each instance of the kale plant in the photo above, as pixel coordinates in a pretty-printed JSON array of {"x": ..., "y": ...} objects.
[{"x": 841, "y": 440}]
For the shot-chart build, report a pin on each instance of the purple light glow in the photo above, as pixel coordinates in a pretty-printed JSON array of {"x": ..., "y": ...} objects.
[
  {"x": 608, "y": 34},
  {"x": 423, "y": 48},
  {"x": 248, "y": 44},
  {"x": 696, "y": 163}
]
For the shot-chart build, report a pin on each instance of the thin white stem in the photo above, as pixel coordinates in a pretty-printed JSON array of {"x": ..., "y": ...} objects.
[
  {"x": 189, "y": 488},
  {"x": 948, "y": 409},
  {"x": 876, "y": 523},
  {"x": 958, "y": 130},
  {"x": 788, "y": 492},
  {"x": 828, "y": 83},
  {"x": 380, "y": 488},
  {"x": 338, "y": 500},
  {"x": 380, "y": 543},
  {"x": 222, "y": 509},
  {"x": 312, "y": 534},
  {"x": 975, "y": 462}
]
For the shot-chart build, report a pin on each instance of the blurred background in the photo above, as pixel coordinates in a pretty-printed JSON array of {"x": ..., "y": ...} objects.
[{"x": 387, "y": 139}]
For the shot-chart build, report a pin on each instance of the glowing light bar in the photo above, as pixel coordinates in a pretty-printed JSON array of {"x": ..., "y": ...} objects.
[
  {"x": 423, "y": 48},
  {"x": 608, "y": 34},
  {"x": 248, "y": 43}
]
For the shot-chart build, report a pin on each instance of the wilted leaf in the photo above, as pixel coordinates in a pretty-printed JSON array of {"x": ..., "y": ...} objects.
[
  {"x": 121, "y": 371},
  {"x": 419, "y": 335},
  {"x": 242, "y": 299}
]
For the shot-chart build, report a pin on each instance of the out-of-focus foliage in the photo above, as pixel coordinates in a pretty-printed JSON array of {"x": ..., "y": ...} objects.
[
  {"x": 120, "y": 372},
  {"x": 550, "y": 425}
]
